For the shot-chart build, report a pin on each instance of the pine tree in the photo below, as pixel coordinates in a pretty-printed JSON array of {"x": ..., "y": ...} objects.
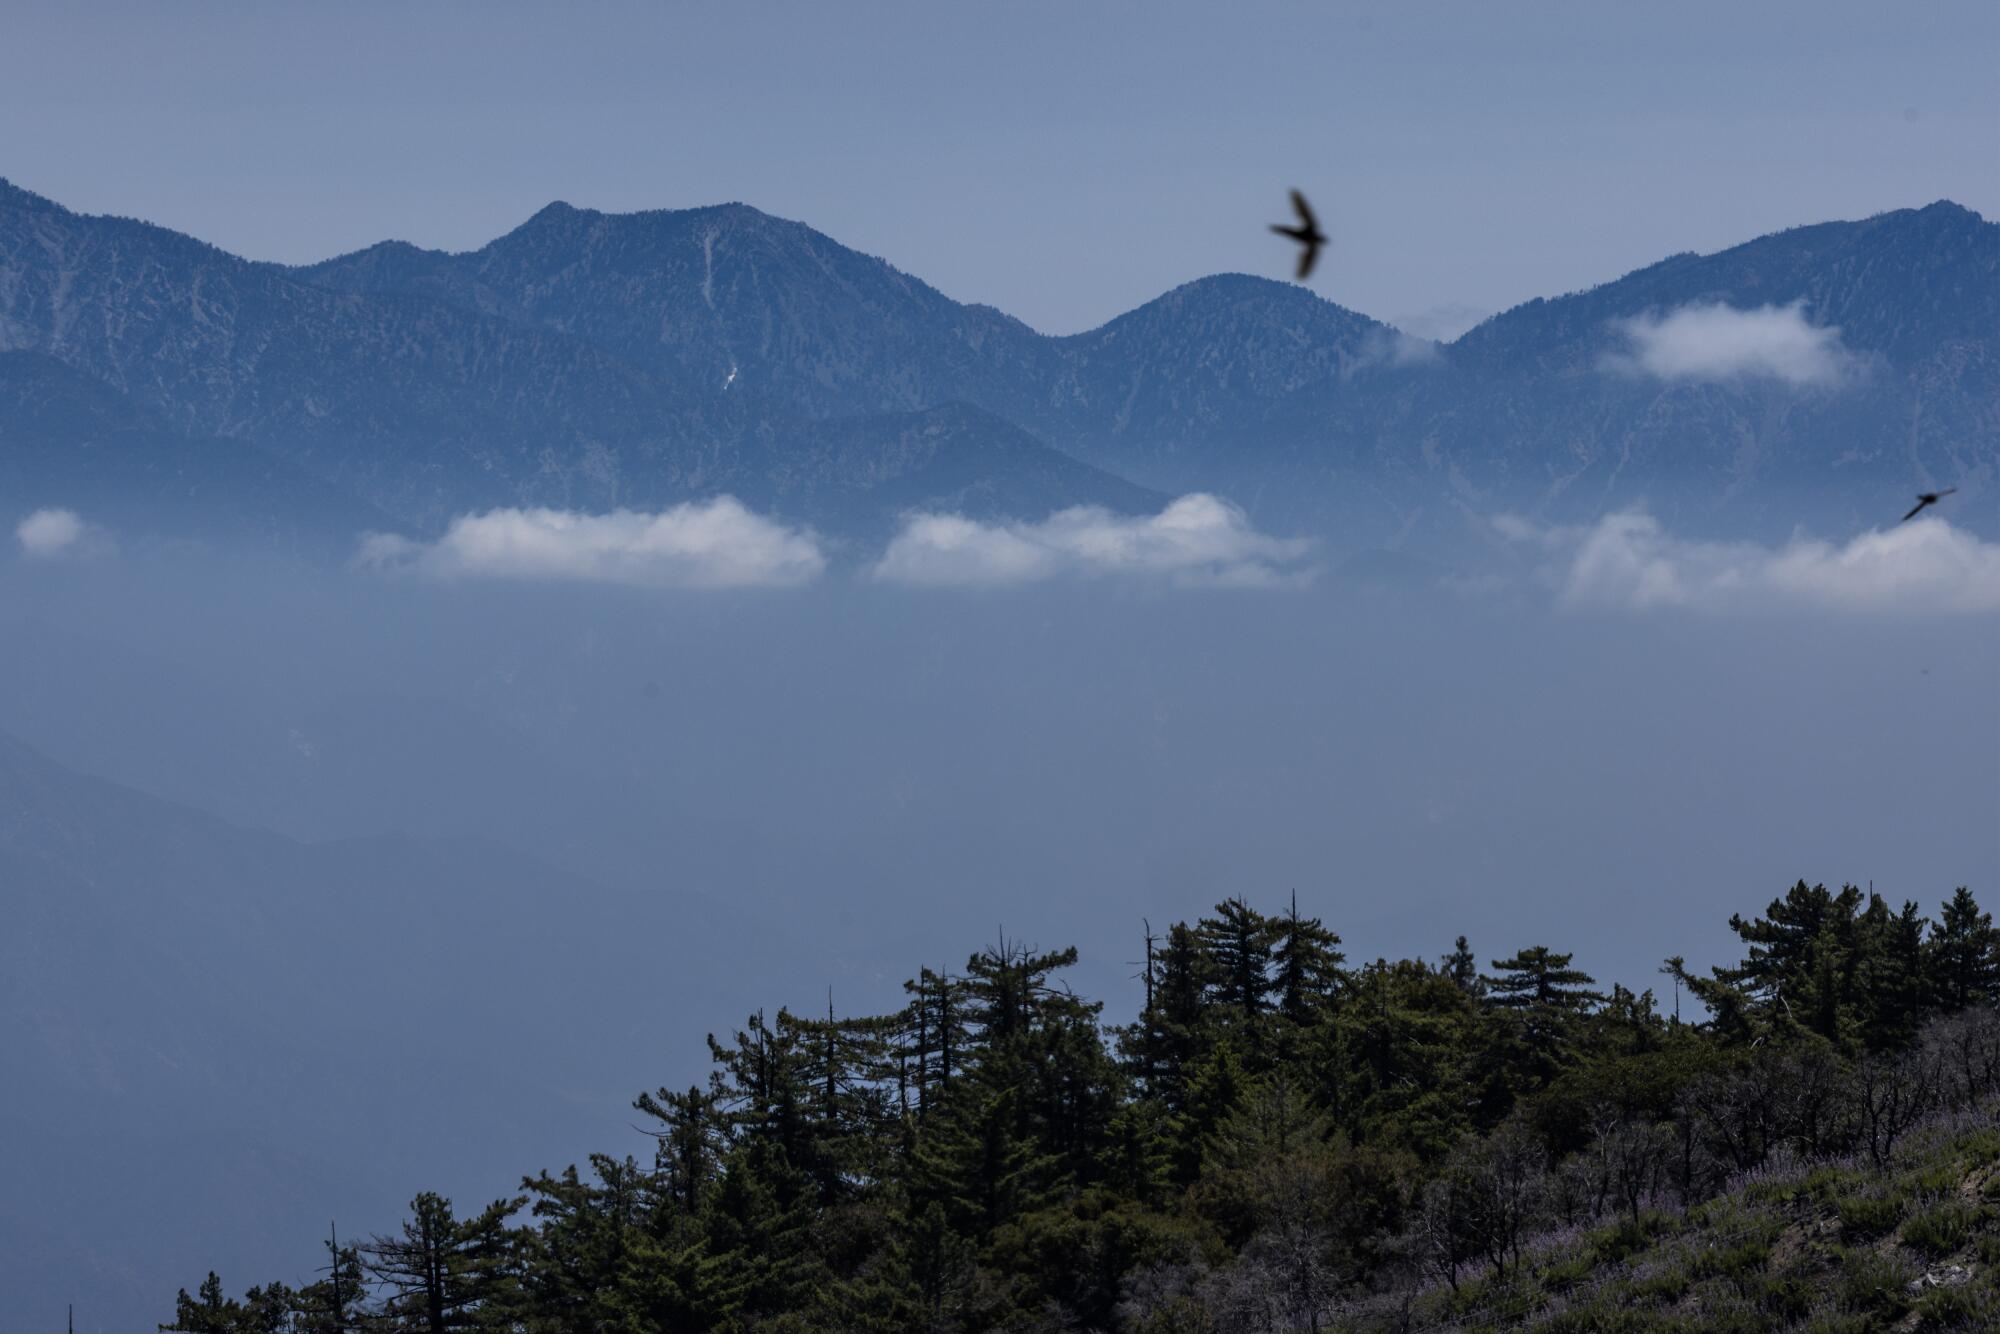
[
  {"x": 1217, "y": 1090},
  {"x": 1307, "y": 958},
  {"x": 207, "y": 1312},
  {"x": 932, "y": 1040},
  {"x": 332, "y": 1305},
  {"x": 672, "y": 1283},
  {"x": 688, "y": 1159},
  {"x": 1891, "y": 988},
  {"x": 1548, "y": 996},
  {"x": 442, "y": 1273},
  {"x": 574, "y": 1259},
  {"x": 1462, "y": 967},
  {"x": 759, "y": 1230},
  {"x": 1238, "y": 941},
  {"x": 1962, "y": 956},
  {"x": 1407, "y": 1060},
  {"x": 1799, "y": 954},
  {"x": 1173, "y": 1034},
  {"x": 978, "y": 1166}
]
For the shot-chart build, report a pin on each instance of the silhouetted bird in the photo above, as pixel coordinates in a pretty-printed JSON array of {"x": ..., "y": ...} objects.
[
  {"x": 1307, "y": 234},
  {"x": 1927, "y": 498}
]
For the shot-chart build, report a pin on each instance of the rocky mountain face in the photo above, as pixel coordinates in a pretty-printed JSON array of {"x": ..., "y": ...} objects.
[
  {"x": 67, "y": 438},
  {"x": 592, "y": 360},
  {"x": 1545, "y": 401}
]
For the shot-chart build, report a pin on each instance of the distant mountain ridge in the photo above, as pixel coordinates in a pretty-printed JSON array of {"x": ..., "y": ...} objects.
[
  {"x": 593, "y": 360},
  {"x": 177, "y": 1007}
]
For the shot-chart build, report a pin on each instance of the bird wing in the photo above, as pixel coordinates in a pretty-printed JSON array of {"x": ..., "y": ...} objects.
[
  {"x": 1916, "y": 511},
  {"x": 1304, "y": 210},
  {"x": 1308, "y": 256},
  {"x": 1947, "y": 491}
]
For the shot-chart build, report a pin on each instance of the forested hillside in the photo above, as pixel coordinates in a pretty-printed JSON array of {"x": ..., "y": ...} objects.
[{"x": 1283, "y": 1139}]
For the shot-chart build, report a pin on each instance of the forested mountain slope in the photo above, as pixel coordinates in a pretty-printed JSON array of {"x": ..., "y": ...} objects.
[{"x": 1282, "y": 1140}]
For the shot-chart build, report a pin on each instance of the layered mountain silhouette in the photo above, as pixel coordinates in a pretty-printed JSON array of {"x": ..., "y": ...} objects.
[
  {"x": 178, "y": 1008},
  {"x": 591, "y": 360}
]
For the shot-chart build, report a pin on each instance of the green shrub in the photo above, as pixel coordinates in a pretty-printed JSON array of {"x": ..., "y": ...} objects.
[
  {"x": 1834, "y": 1322},
  {"x": 1824, "y": 1183},
  {"x": 1564, "y": 1273},
  {"x": 1940, "y": 1229},
  {"x": 1982, "y": 1146},
  {"x": 1865, "y": 1216},
  {"x": 1598, "y": 1318},
  {"x": 1665, "y": 1287},
  {"x": 1962, "y": 1307},
  {"x": 1734, "y": 1260},
  {"x": 1869, "y": 1283},
  {"x": 1785, "y": 1296},
  {"x": 1625, "y": 1238},
  {"x": 1940, "y": 1179}
]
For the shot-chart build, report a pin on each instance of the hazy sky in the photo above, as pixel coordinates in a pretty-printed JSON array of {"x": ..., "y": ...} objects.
[{"x": 1062, "y": 161}]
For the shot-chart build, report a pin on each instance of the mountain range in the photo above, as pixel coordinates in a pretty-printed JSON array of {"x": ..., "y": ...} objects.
[{"x": 591, "y": 361}]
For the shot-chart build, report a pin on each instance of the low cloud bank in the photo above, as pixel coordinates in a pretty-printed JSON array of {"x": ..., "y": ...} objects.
[
  {"x": 711, "y": 544},
  {"x": 60, "y": 534},
  {"x": 1720, "y": 342},
  {"x": 1198, "y": 539},
  {"x": 1628, "y": 560}
]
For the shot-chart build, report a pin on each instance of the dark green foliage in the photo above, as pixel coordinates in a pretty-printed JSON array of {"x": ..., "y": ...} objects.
[
  {"x": 1942, "y": 1228},
  {"x": 1277, "y": 1141},
  {"x": 1962, "y": 956},
  {"x": 1547, "y": 998},
  {"x": 1864, "y": 1217},
  {"x": 442, "y": 1273}
]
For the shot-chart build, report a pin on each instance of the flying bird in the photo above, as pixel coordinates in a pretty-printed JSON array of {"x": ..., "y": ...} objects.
[
  {"x": 1307, "y": 234},
  {"x": 1926, "y": 499}
]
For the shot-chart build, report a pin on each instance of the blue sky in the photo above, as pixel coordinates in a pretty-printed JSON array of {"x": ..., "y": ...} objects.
[{"x": 1061, "y": 161}]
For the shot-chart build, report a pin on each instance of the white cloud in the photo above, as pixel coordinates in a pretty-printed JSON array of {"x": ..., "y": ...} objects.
[
  {"x": 1720, "y": 342},
  {"x": 1442, "y": 323},
  {"x": 54, "y": 534},
  {"x": 1385, "y": 346},
  {"x": 1198, "y": 539},
  {"x": 712, "y": 544},
  {"x": 1629, "y": 560}
]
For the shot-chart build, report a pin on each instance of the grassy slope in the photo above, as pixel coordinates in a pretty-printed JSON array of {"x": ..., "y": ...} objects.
[{"x": 1826, "y": 1247}]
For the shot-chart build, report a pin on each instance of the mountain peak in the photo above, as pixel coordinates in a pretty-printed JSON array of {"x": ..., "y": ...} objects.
[
  {"x": 1949, "y": 213},
  {"x": 555, "y": 210},
  {"x": 1222, "y": 295}
]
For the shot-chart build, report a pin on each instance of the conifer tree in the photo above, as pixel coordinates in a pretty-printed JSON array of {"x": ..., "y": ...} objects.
[
  {"x": 1548, "y": 996},
  {"x": 1238, "y": 941},
  {"x": 1174, "y": 1033},
  {"x": 1962, "y": 957},
  {"x": 1307, "y": 958},
  {"x": 690, "y": 1150},
  {"x": 207, "y": 1312},
  {"x": 574, "y": 1259},
  {"x": 934, "y": 1036},
  {"x": 758, "y": 1228},
  {"x": 443, "y": 1273},
  {"x": 1462, "y": 967},
  {"x": 1890, "y": 989}
]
